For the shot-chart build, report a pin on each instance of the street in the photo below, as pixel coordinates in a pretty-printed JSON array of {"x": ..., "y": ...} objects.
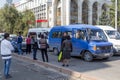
[
  {"x": 28, "y": 71},
  {"x": 103, "y": 69}
]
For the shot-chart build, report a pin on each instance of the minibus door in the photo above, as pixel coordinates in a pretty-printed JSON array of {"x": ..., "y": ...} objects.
[{"x": 78, "y": 41}]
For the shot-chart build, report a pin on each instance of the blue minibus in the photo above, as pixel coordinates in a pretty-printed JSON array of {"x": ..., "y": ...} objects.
[{"x": 88, "y": 41}]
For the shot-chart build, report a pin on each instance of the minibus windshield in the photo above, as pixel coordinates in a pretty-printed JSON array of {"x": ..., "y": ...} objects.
[
  {"x": 97, "y": 35},
  {"x": 113, "y": 34}
]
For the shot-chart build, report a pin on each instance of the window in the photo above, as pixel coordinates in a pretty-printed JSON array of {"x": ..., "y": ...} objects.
[
  {"x": 56, "y": 34},
  {"x": 80, "y": 34}
]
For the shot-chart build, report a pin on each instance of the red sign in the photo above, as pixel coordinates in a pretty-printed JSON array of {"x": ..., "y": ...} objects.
[{"x": 41, "y": 20}]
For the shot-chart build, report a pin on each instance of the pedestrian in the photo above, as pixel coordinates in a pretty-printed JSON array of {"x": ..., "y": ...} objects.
[
  {"x": 64, "y": 37},
  {"x": 28, "y": 45},
  {"x": 6, "y": 51},
  {"x": 43, "y": 48},
  {"x": 66, "y": 50},
  {"x": 19, "y": 44},
  {"x": 35, "y": 47}
]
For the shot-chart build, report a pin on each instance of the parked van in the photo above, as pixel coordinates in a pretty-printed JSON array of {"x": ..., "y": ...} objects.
[
  {"x": 36, "y": 32},
  {"x": 113, "y": 36},
  {"x": 91, "y": 44}
]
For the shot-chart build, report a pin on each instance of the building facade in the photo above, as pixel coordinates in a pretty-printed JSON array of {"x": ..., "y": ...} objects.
[
  {"x": 49, "y": 13},
  {"x": 40, "y": 8},
  {"x": 67, "y": 12}
]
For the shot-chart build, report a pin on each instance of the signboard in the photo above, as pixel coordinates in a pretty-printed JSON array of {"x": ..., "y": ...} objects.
[{"x": 40, "y": 20}]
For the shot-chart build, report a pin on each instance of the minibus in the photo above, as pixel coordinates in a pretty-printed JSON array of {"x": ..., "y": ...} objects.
[{"x": 92, "y": 43}]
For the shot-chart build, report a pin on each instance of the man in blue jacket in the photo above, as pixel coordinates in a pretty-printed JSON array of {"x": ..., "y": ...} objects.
[{"x": 19, "y": 44}]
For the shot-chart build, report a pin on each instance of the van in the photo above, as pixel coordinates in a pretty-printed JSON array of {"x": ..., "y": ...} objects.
[
  {"x": 36, "y": 32},
  {"x": 113, "y": 36},
  {"x": 91, "y": 44}
]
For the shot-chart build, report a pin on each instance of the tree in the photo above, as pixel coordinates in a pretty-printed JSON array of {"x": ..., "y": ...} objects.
[
  {"x": 13, "y": 21},
  {"x": 8, "y": 15},
  {"x": 108, "y": 18}
]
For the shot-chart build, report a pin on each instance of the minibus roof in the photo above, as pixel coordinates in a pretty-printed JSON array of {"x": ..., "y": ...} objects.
[
  {"x": 80, "y": 26},
  {"x": 39, "y": 29}
]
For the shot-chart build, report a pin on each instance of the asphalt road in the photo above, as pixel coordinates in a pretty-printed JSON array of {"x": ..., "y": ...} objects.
[
  {"x": 28, "y": 71},
  {"x": 103, "y": 69}
]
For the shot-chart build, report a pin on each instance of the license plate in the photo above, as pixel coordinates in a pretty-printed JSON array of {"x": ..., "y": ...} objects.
[{"x": 107, "y": 54}]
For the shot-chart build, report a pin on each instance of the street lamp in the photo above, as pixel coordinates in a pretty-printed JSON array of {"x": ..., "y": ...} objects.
[{"x": 116, "y": 14}]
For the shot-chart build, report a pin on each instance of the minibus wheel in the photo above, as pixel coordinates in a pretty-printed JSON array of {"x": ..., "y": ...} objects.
[
  {"x": 55, "y": 51},
  {"x": 87, "y": 56}
]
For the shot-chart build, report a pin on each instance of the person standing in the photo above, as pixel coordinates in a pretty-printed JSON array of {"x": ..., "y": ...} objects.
[
  {"x": 66, "y": 50},
  {"x": 43, "y": 48},
  {"x": 64, "y": 37},
  {"x": 19, "y": 44},
  {"x": 28, "y": 45},
  {"x": 6, "y": 51},
  {"x": 35, "y": 47}
]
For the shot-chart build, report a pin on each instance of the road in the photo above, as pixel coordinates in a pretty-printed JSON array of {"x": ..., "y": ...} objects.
[
  {"x": 28, "y": 71},
  {"x": 103, "y": 69}
]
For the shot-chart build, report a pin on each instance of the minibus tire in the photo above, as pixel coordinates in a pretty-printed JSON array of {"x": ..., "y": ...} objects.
[
  {"x": 88, "y": 56},
  {"x": 55, "y": 51}
]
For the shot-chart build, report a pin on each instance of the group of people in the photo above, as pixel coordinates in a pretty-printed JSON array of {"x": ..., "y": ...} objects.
[{"x": 32, "y": 43}]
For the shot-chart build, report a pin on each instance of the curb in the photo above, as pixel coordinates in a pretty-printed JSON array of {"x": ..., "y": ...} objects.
[{"x": 58, "y": 68}]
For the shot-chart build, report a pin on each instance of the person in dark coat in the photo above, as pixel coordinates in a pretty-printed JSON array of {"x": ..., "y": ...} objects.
[
  {"x": 64, "y": 37},
  {"x": 43, "y": 48},
  {"x": 66, "y": 50}
]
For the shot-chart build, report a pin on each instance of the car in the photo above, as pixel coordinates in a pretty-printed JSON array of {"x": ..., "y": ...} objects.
[
  {"x": 1, "y": 36},
  {"x": 13, "y": 41}
]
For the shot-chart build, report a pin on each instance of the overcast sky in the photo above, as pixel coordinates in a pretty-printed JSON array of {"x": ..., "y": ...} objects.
[{"x": 2, "y": 2}]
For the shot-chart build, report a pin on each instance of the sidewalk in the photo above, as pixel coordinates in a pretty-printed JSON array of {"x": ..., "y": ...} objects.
[{"x": 54, "y": 64}]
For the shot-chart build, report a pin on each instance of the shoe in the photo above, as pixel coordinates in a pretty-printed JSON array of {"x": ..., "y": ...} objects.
[
  {"x": 63, "y": 65},
  {"x": 67, "y": 65},
  {"x": 35, "y": 59},
  {"x": 8, "y": 76}
]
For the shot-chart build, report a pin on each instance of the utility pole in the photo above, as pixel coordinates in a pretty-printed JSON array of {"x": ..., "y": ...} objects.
[{"x": 116, "y": 14}]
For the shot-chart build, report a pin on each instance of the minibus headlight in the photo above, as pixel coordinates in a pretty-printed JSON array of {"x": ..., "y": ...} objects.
[{"x": 94, "y": 48}]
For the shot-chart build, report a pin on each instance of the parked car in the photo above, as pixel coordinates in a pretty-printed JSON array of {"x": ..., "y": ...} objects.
[
  {"x": 92, "y": 43},
  {"x": 1, "y": 36},
  {"x": 14, "y": 43}
]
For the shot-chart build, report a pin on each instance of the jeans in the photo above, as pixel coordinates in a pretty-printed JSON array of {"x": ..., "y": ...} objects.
[
  {"x": 7, "y": 63},
  {"x": 44, "y": 53},
  {"x": 20, "y": 48},
  {"x": 34, "y": 53}
]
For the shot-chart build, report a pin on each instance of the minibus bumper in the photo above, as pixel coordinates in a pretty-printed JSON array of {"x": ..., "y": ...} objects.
[{"x": 103, "y": 55}]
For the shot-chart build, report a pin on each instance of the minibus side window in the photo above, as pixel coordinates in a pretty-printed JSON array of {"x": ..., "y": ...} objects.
[
  {"x": 80, "y": 34},
  {"x": 56, "y": 34}
]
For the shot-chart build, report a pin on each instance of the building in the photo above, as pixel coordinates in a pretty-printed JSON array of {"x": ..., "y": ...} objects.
[
  {"x": 50, "y": 13},
  {"x": 78, "y": 11},
  {"x": 40, "y": 9}
]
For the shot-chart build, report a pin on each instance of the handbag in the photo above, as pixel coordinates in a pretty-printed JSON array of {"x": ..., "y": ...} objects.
[{"x": 60, "y": 56}]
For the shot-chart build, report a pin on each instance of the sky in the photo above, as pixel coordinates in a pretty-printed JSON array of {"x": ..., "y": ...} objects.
[{"x": 2, "y": 2}]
